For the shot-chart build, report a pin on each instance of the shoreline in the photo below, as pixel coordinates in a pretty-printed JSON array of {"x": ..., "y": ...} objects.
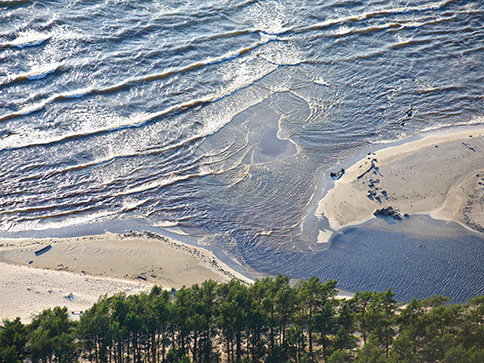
[
  {"x": 441, "y": 175},
  {"x": 41, "y": 273}
]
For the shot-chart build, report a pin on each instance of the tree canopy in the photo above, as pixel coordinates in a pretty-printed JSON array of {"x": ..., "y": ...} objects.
[{"x": 271, "y": 320}]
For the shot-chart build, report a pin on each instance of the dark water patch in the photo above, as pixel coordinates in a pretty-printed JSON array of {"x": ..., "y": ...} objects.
[{"x": 12, "y": 4}]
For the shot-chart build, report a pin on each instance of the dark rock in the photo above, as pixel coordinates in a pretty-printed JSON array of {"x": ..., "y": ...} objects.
[
  {"x": 388, "y": 211},
  {"x": 338, "y": 174},
  {"x": 43, "y": 250}
]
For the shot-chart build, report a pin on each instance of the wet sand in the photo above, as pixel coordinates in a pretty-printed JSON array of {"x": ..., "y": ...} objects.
[{"x": 439, "y": 175}]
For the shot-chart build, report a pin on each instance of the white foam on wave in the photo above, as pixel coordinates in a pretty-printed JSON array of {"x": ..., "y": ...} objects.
[
  {"x": 130, "y": 204},
  {"x": 36, "y": 72},
  {"x": 383, "y": 11},
  {"x": 272, "y": 17},
  {"x": 478, "y": 120},
  {"x": 26, "y": 110},
  {"x": 60, "y": 222},
  {"x": 240, "y": 76},
  {"x": 162, "y": 182},
  {"x": 41, "y": 71},
  {"x": 89, "y": 119},
  {"x": 78, "y": 93},
  {"x": 283, "y": 53},
  {"x": 29, "y": 38},
  {"x": 165, "y": 224},
  {"x": 220, "y": 115}
]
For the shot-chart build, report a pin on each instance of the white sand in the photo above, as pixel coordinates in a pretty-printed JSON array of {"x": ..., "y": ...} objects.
[
  {"x": 26, "y": 291},
  {"x": 440, "y": 175},
  {"x": 91, "y": 266}
]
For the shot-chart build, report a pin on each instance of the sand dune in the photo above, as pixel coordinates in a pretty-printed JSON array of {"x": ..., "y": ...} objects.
[
  {"x": 26, "y": 291},
  {"x": 74, "y": 272}
]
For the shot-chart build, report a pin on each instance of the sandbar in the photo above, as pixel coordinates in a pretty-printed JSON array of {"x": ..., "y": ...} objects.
[{"x": 441, "y": 175}]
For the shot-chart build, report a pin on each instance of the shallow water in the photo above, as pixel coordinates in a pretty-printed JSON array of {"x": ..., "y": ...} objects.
[
  {"x": 435, "y": 258},
  {"x": 218, "y": 119}
]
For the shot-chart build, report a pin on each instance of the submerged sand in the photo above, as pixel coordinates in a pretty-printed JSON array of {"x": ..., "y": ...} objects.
[
  {"x": 74, "y": 272},
  {"x": 439, "y": 175}
]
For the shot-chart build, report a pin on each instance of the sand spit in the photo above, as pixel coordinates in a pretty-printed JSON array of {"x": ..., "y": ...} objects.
[
  {"x": 440, "y": 175},
  {"x": 39, "y": 273}
]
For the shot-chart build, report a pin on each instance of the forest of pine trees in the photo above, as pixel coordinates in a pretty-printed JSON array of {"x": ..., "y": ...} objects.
[{"x": 270, "y": 320}]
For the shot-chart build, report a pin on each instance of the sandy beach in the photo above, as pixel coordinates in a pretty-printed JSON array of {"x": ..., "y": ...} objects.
[
  {"x": 440, "y": 175},
  {"x": 74, "y": 272}
]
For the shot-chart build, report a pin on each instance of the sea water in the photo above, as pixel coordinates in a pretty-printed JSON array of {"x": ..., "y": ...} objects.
[{"x": 221, "y": 121}]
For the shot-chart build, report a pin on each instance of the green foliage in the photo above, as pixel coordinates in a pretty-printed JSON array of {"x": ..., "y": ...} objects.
[
  {"x": 51, "y": 335},
  {"x": 455, "y": 355},
  {"x": 402, "y": 351},
  {"x": 271, "y": 320},
  {"x": 339, "y": 356},
  {"x": 474, "y": 355},
  {"x": 13, "y": 336},
  {"x": 371, "y": 352}
]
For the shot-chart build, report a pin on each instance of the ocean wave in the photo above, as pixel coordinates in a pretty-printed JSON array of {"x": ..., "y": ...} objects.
[
  {"x": 14, "y": 2},
  {"x": 107, "y": 160},
  {"x": 373, "y": 14},
  {"x": 35, "y": 73},
  {"x": 476, "y": 121},
  {"x": 14, "y": 142},
  {"x": 132, "y": 82},
  {"x": 28, "y": 39},
  {"x": 394, "y": 26},
  {"x": 131, "y": 122},
  {"x": 401, "y": 43},
  {"x": 66, "y": 220},
  {"x": 438, "y": 89},
  {"x": 76, "y": 205},
  {"x": 165, "y": 181}
]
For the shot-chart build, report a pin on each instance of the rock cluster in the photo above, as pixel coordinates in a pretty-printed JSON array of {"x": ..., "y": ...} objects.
[{"x": 390, "y": 212}]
